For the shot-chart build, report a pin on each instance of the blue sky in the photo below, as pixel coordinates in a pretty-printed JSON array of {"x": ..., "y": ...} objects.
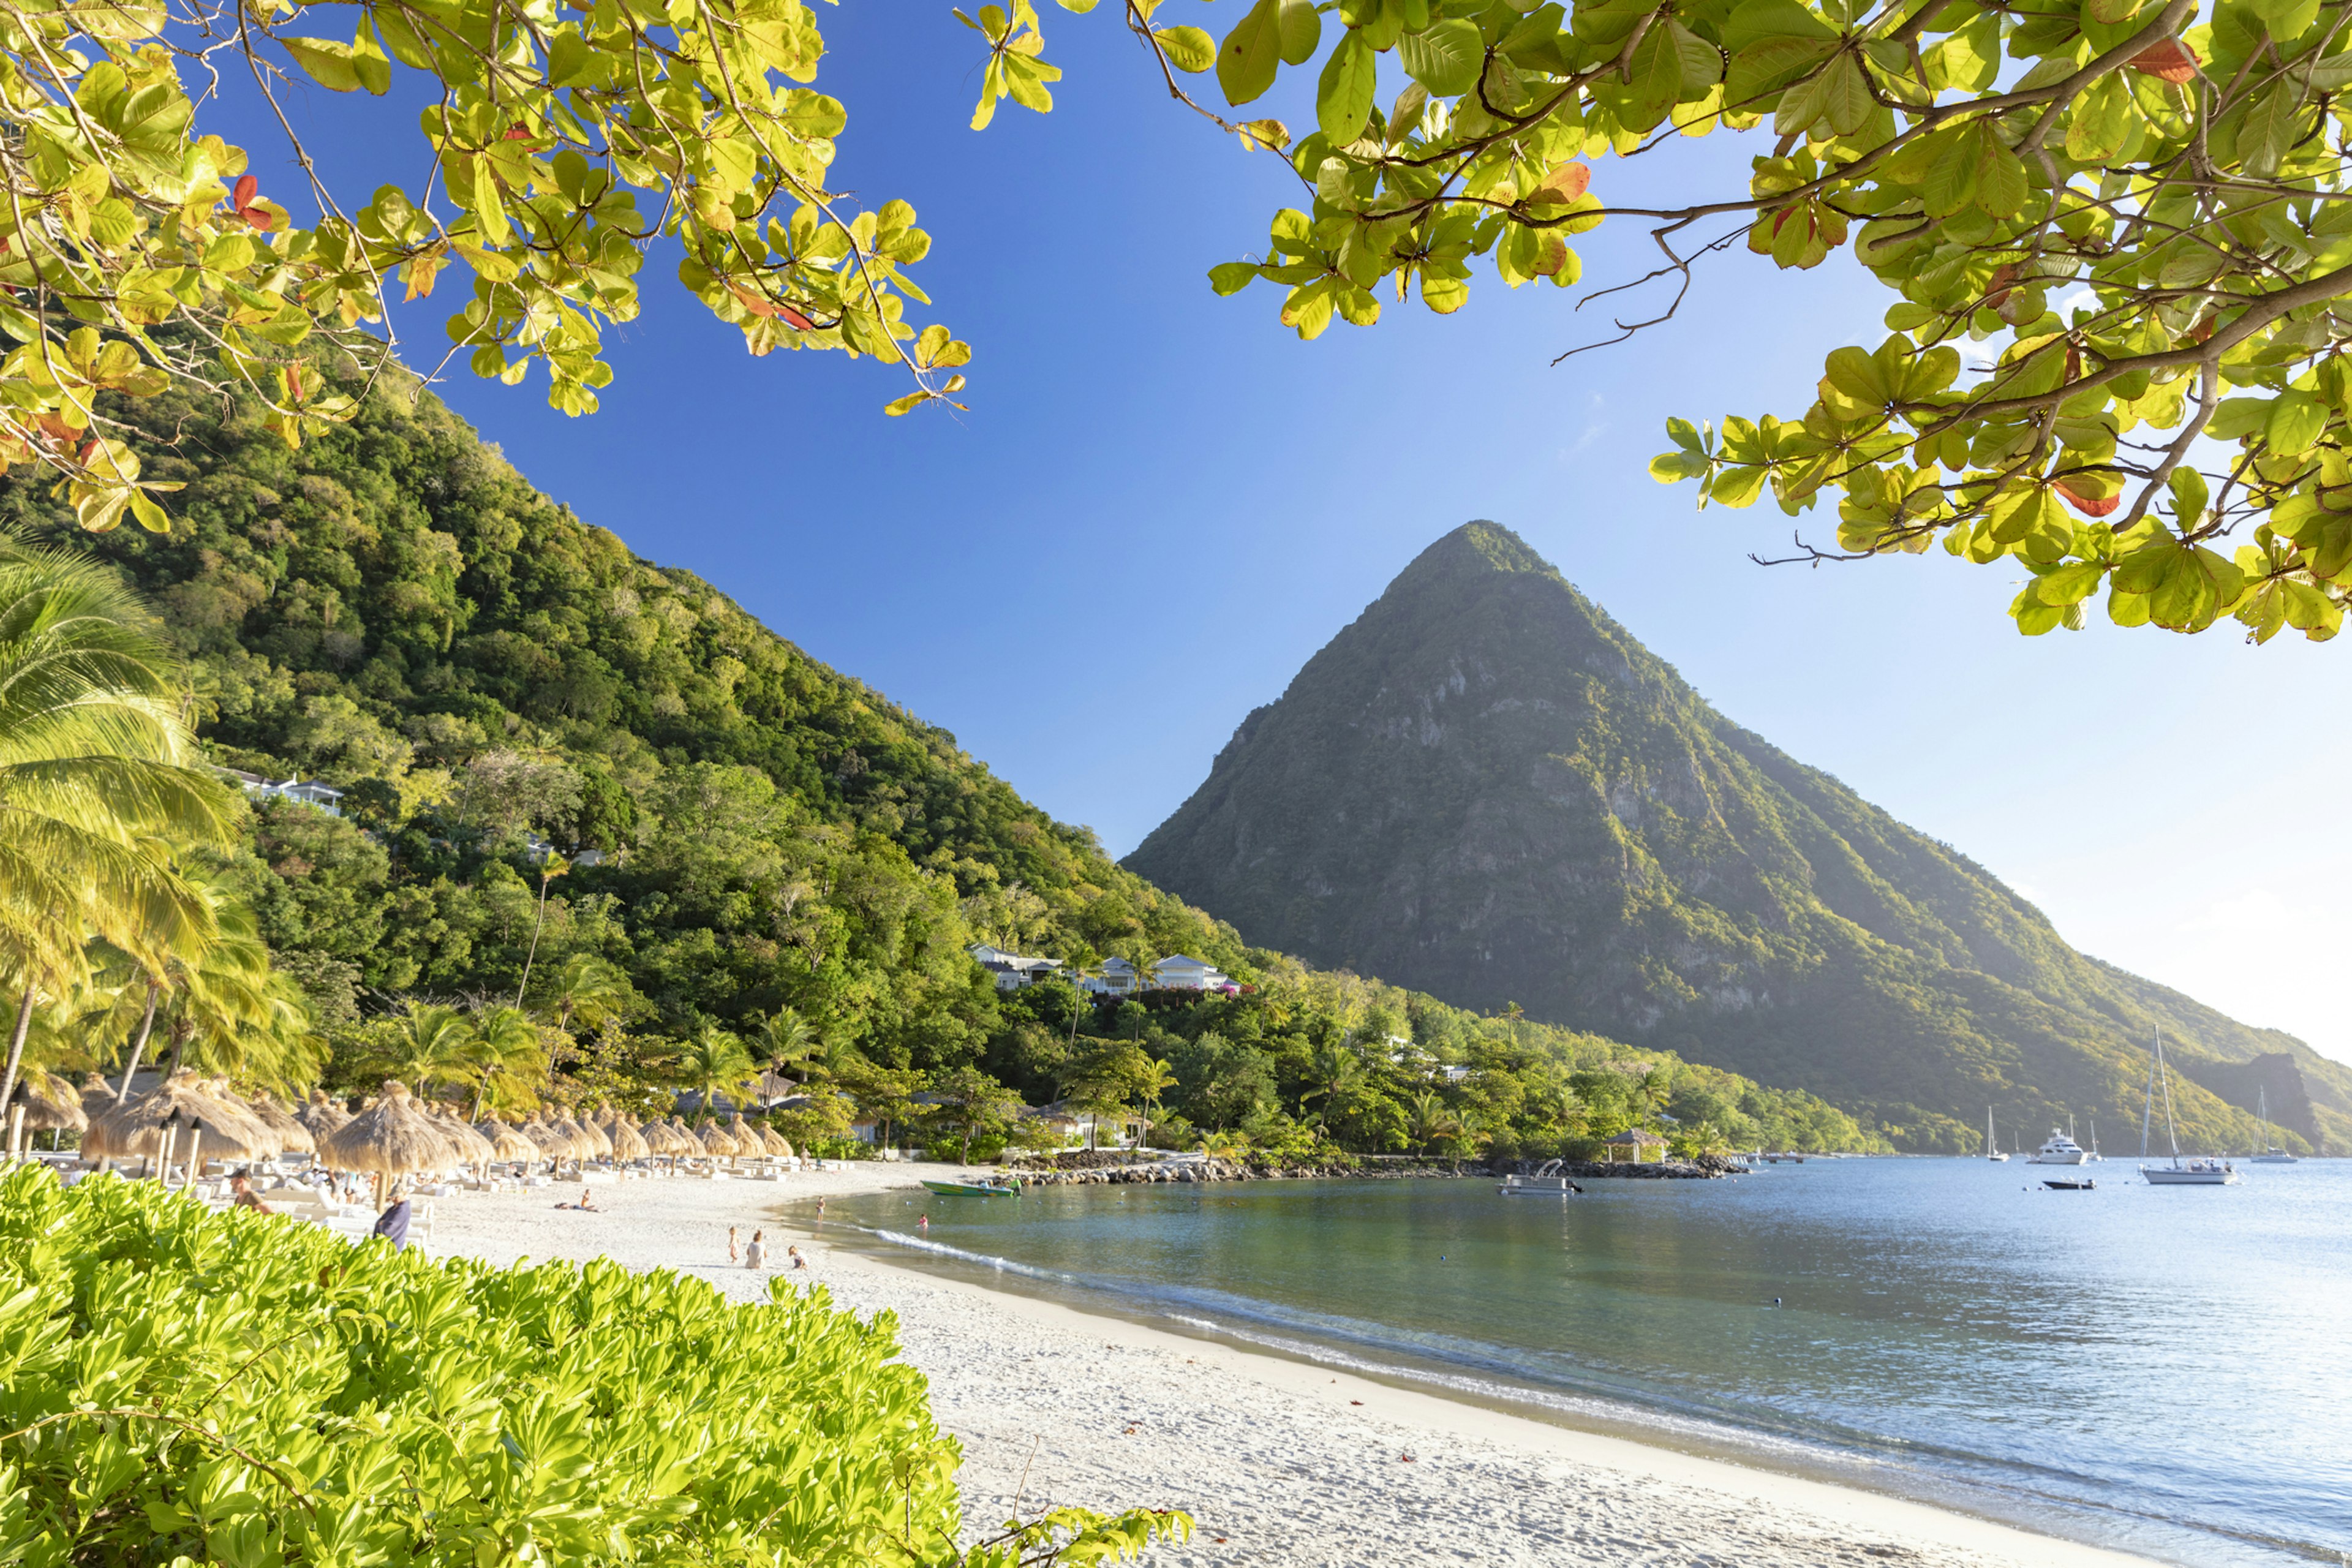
[{"x": 1160, "y": 503}]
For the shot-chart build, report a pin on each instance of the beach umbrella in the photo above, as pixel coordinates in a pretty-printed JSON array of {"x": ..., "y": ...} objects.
[
  {"x": 506, "y": 1143},
  {"x": 746, "y": 1137},
  {"x": 476, "y": 1149},
  {"x": 776, "y": 1144},
  {"x": 541, "y": 1132},
  {"x": 293, "y": 1137},
  {"x": 395, "y": 1137},
  {"x": 51, "y": 1104},
  {"x": 577, "y": 1144},
  {"x": 322, "y": 1114},
  {"x": 262, "y": 1141},
  {"x": 598, "y": 1142},
  {"x": 661, "y": 1137},
  {"x": 716, "y": 1142},
  {"x": 97, "y": 1094},
  {"x": 177, "y": 1113},
  {"x": 628, "y": 1143}
]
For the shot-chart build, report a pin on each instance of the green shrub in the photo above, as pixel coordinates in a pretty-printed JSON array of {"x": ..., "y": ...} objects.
[{"x": 179, "y": 1386}]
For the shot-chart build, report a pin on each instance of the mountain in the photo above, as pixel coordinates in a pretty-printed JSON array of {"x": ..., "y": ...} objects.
[
  {"x": 1486, "y": 789},
  {"x": 392, "y": 609}
]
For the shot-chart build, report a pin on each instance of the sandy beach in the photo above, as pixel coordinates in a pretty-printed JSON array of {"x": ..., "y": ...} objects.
[{"x": 1279, "y": 1462}]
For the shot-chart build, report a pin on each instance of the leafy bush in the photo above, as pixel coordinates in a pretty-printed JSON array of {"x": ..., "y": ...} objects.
[{"x": 182, "y": 1386}]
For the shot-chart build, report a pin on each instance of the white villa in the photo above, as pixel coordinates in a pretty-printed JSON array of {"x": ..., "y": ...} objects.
[
  {"x": 1114, "y": 977},
  {"x": 308, "y": 791},
  {"x": 1011, "y": 969}
]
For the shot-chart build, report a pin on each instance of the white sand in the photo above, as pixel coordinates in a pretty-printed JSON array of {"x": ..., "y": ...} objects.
[{"x": 1277, "y": 1462}]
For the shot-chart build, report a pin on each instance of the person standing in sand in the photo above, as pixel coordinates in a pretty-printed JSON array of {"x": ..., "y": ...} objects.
[
  {"x": 756, "y": 1255},
  {"x": 731, "y": 1254}
]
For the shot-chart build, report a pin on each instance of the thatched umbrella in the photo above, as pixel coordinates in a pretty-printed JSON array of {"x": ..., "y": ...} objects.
[
  {"x": 776, "y": 1144},
  {"x": 628, "y": 1143},
  {"x": 48, "y": 1104},
  {"x": 395, "y": 1137},
  {"x": 97, "y": 1094},
  {"x": 659, "y": 1138},
  {"x": 178, "y": 1108},
  {"x": 322, "y": 1114},
  {"x": 552, "y": 1145},
  {"x": 748, "y": 1138},
  {"x": 293, "y": 1137},
  {"x": 477, "y": 1148},
  {"x": 598, "y": 1142},
  {"x": 716, "y": 1140},
  {"x": 506, "y": 1143}
]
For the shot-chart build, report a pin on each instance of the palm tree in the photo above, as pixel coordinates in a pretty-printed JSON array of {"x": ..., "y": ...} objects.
[
  {"x": 714, "y": 1062},
  {"x": 435, "y": 1044},
  {"x": 790, "y": 1040},
  {"x": 97, "y": 770},
  {"x": 1151, "y": 1080},
  {"x": 1338, "y": 1072},
  {"x": 216, "y": 992},
  {"x": 1434, "y": 1119},
  {"x": 503, "y": 1055}
]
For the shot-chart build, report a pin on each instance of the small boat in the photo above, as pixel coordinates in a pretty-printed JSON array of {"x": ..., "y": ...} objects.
[
  {"x": 2061, "y": 1184},
  {"x": 974, "y": 1189},
  {"x": 1542, "y": 1185},
  {"x": 1992, "y": 1145},
  {"x": 2269, "y": 1155},
  {"x": 2195, "y": 1172}
]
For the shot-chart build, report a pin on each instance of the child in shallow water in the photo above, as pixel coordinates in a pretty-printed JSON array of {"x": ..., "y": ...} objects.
[{"x": 755, "y": 1255}]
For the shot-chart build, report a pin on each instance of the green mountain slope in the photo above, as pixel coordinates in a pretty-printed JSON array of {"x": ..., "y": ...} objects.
[
  {"x": 1486, "y": 788},
  {"x": 392, "y": 609}
]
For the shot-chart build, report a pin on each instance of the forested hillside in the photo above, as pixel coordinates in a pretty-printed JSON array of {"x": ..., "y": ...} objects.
[
  {"x": 1486, "y": 788},
  {"x": 392, "y": 609}
]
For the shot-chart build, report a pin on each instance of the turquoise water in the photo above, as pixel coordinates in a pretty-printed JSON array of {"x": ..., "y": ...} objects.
[{"x": 2167, "y": 1370}]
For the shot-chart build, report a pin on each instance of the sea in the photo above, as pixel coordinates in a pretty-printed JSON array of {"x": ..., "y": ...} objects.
[{"x": 2163, "y": 1369}]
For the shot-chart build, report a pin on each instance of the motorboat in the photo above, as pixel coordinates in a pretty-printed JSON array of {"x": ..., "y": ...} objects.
[
  {"x": 2269, "y": 1155},
  {"x": 1992, "y": 1145},
  {"x": 974, "y": 1189},
  {"x": 2064, "y": 1185},
  {"x": 2060, "y": 1150},
  {"x": 2193, "y": 1173},
  {"x": 1548, "y": 1182}
]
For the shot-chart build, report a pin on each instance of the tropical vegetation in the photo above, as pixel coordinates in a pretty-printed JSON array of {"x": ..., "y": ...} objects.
[
  {"x": 178, "y": 1386},
  {"x": 2112, "y": 232},
  {"x": 773, "y": 875}
]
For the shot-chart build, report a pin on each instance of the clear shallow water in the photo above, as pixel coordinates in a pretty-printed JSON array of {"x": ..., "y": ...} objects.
[{"x": 2167, "y": 1370}]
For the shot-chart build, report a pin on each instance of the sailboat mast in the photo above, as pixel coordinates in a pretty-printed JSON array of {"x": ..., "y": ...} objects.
[
  {"x": 2171, "y": 1132},
  {"x": 2147, "y": 1106}
]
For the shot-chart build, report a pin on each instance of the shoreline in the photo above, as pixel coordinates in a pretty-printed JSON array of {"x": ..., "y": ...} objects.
[{"x": 1278, "y": 1461}]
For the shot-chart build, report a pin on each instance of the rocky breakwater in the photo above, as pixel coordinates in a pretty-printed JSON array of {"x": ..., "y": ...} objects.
[{"x": 1102, "y": 1167}]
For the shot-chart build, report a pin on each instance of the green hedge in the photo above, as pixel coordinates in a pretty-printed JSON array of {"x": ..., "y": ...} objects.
[{"x": 180, "y": 1386}]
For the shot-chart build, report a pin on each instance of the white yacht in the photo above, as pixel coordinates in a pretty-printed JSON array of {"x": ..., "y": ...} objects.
[
  {"x": 2195, "y": 1172},
  {"x": 1992, "y": 1146},
  {"x": 2060, "y": 1150},
  {"x": 2269, "y": 1155}
]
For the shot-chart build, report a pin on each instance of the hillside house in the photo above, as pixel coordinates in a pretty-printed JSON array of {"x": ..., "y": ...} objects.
[
  {"x": 1114, "y": 977},
  {"x": 1182, "y": 973},
  {"x": 308, "y": 792},
  {"x": 1012, "y": 970}
]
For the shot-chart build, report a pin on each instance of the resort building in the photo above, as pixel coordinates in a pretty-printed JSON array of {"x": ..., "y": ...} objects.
[
  {"x": 1635, "y": 1146},
  {"x": 1115, "y": 977},
  {"x": 1012, "y": 970},
  {"x": 1182, "y": 973},
  {"x": 308, "y": 791}
]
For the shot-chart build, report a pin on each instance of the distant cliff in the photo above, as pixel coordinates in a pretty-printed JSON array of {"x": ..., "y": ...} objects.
[{"x": 1486, "y": 789}]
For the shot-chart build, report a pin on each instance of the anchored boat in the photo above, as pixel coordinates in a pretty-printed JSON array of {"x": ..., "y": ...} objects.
[
  {"x": 974, "y": 1189},
  {"x": 1545, "y": 1183},
  {"x": 2197, "y": 1172}
]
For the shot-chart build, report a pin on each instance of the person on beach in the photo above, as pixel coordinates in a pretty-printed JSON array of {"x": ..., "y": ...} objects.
[
  {"x": 755, "y": 1255},
  {"x": 392, "y": 1224},
  {"x": 820, "y": 1208},
  {"x": 587, "y": 1204},
  {"x": 731, "y": 1254},
  {"x": 924, "y": 1223},
  {"x": 241, "y": 1193},
  {"x": 794, "y": 1253}
]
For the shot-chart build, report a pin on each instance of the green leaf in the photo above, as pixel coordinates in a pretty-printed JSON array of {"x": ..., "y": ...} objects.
[
  {"x": 1188, "y": 49},
  {"x": 328, "y": 62},
  {"x": 1232, "y": 277},
  {"x": 2001, "y": 185},
  {"x": 1301, "y": 29},
  {"x": 2295, "y": 422},
  {"x": 1953, "y": 163},
  {"x": 1845, "y": 96},
  {"x": 1251, "y": 54},
  {"x": 1343, "y": 98},
  {"x": 1446, "y": 59}
]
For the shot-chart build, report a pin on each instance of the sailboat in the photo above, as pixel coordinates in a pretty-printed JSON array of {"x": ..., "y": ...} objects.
[
  {"x": 1992, "y": 1145},
  {"x": 2197, "y": 1172},
  {"x": 2269, "y": 1155},
  {"x": 2096, "y": 1158}
]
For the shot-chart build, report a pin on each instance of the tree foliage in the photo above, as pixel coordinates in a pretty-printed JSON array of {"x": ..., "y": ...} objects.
[{"x": 180, "y": 1385}]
